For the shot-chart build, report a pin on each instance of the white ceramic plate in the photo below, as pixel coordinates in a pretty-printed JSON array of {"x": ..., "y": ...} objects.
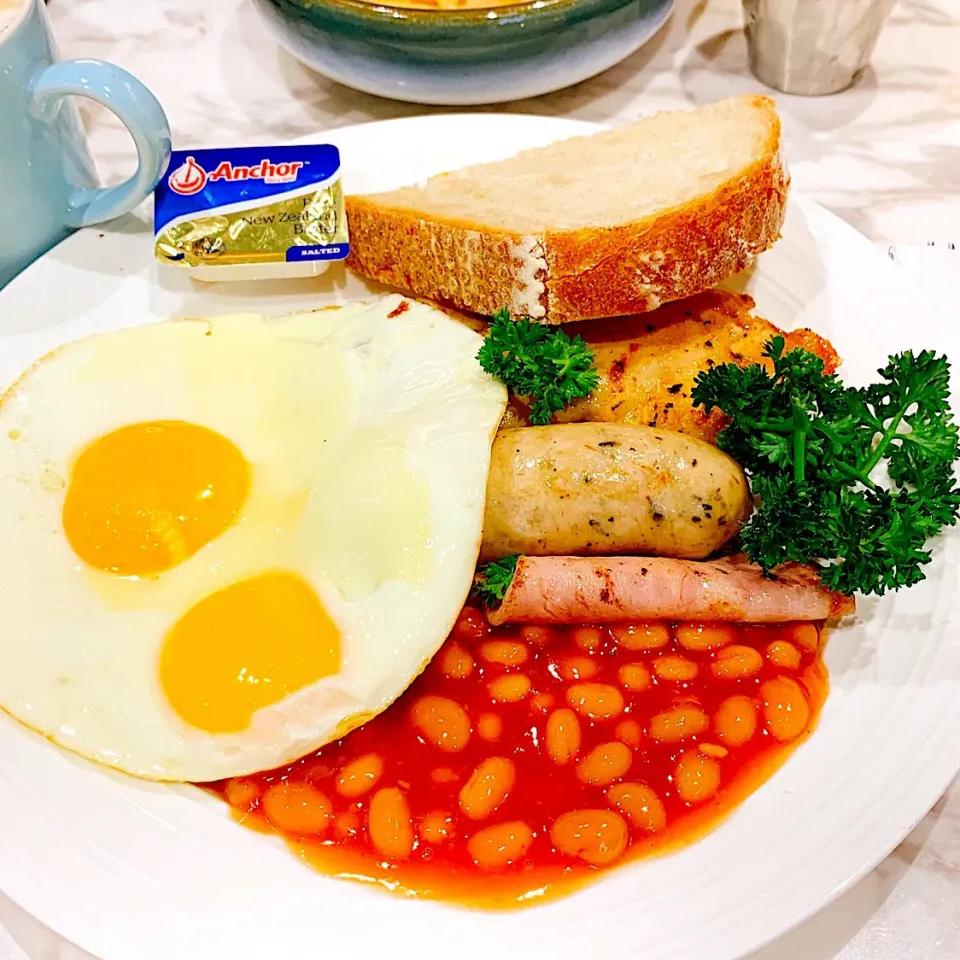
[{"x": 135, "y": 871}]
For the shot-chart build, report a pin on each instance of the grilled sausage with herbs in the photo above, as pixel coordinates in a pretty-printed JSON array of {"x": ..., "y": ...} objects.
[{"x": 609, "y": 488}]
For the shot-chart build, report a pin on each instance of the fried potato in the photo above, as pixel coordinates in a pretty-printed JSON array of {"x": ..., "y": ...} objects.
[{"x": 647, "y": 363}]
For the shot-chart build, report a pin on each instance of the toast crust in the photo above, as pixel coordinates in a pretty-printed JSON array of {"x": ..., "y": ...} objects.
[{"x": 589, "y": 273}]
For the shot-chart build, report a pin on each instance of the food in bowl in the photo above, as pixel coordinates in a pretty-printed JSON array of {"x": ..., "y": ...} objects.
[{"x": 449, "y": 4}]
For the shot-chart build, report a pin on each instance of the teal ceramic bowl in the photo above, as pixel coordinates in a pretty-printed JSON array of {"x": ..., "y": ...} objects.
[{"x": 462, "y": 57}]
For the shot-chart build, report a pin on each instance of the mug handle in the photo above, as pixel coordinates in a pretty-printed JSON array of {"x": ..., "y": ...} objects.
[{"x": 141, "y": 114}]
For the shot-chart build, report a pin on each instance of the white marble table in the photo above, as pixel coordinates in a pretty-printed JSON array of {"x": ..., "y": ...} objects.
[{"x": 884, "y": 155}]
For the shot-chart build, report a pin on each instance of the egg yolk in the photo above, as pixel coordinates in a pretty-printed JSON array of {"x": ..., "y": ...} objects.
[
  {"x": 246, "y": 647},
  {"x": 148, "y": 496}
]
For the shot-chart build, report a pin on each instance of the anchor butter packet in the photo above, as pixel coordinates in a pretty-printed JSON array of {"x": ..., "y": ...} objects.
[{"x": 248, "y": 213}]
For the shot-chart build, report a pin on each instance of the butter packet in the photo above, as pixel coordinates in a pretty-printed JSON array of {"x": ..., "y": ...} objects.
[{"x": 250, "y": 213}]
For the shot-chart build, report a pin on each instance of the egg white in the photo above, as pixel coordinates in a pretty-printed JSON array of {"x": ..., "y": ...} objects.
[{"x": 320, "y": 404}]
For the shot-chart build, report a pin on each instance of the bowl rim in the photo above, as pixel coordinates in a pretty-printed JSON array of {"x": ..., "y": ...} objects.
[
  {"x": 388, "y": 20},
  {"x": 489, "y": 14}
]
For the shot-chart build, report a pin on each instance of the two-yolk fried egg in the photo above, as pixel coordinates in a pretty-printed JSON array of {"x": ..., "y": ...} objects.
[{"x": 226, "y": 542}]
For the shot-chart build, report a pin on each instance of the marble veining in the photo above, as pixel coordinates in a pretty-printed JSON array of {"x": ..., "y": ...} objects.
[{"x": 884, "y": 155}]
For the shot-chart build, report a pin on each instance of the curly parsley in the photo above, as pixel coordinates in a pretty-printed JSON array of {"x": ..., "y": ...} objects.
[
  {"x": 538, "y": 362},
  {"x": 812, "y": 448},
  {"x": 495, "y": 580}
]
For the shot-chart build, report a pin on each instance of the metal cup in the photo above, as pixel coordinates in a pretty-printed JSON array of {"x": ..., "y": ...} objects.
[{"x": 812, "y": 47}]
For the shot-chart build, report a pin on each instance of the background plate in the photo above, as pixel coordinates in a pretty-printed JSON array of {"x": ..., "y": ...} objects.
[{"x": 138, "y": 871}]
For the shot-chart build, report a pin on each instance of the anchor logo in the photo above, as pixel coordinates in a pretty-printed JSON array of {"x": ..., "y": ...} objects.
[{"x": 188, "y": 179}]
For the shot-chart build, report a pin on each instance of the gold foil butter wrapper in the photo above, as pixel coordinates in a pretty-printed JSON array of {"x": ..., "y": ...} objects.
[{"x": 252, "y": 212}]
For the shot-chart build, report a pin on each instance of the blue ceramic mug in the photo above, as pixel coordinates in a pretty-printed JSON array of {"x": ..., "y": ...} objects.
[{"x": 48, "y": 185}]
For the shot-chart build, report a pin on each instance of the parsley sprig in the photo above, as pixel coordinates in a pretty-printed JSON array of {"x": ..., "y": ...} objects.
[
  {"x": 814, "y": 450},
  {"x": 495, "y": 579},
  {"x": 539, "y": 363}
]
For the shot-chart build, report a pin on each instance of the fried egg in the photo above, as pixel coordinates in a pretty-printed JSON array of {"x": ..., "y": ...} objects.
[{"x": 226, "y": 542}]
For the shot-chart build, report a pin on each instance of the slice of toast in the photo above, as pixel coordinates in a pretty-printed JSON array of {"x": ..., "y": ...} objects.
[{"x": 597, "y": 226}]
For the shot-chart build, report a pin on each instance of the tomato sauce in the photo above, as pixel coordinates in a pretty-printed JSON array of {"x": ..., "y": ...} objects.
[{"x": 526, "y": 760}]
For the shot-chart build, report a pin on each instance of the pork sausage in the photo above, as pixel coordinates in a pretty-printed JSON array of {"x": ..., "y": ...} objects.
[{"x": 610, "y": 488}]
